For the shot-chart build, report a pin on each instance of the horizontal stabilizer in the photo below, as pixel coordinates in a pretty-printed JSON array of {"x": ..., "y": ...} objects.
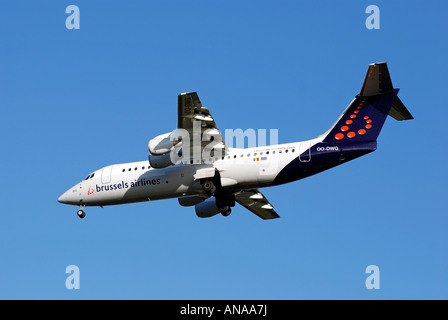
[{"x": 399, "y": 111}]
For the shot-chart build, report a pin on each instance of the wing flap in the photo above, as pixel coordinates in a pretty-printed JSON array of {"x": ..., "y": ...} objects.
[{"x": 256, "y": 202}]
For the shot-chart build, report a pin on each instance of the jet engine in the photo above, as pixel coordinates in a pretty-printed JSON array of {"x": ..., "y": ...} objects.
[
  {"x": 190, "y": 201},
  {"x": 207, "y": 208},
  {"x": 165, "y": 143},
  {"x": 159, "y": 162},
  {"x": 165, "y": 150}
]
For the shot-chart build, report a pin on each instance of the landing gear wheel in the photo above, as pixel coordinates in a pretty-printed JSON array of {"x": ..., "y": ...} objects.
[
  {"x": 225, "y": 211},
  {"x": 208, "y": 186},
  {"x": 81, "y": 214}
]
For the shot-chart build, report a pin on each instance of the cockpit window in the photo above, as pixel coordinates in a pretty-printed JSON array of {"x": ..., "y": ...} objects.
[{"x": 89, "y": 176}]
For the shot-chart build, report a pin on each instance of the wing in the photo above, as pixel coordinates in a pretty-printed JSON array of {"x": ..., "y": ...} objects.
[
  {"x": 198, "y": 121},
  {"x": 255, "y": 201}
]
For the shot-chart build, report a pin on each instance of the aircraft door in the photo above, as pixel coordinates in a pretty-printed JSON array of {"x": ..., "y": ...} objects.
[
  {"x": 106, "y": 175},
  {"x": 305, "y": 152}
]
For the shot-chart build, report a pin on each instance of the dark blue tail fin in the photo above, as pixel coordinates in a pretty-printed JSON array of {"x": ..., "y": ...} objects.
[{"x": 365, "y": 116}]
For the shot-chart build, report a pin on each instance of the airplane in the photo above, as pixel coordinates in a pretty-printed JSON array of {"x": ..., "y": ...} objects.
[{"x": 194, "y": 165}]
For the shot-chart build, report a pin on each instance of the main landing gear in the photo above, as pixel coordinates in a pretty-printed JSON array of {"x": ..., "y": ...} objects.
[
  {"x": 223, "y": 201},
  {"x": 225, "y": 211},
  {"x": 209, "y": 187},
  {"x": 81, "y": 212}
]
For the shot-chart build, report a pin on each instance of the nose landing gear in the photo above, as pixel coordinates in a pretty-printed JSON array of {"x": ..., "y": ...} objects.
[{"x": 81, "y": 212}]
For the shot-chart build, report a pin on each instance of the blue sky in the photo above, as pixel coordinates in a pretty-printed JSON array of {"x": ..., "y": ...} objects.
[{"x": 73, "y": 101}]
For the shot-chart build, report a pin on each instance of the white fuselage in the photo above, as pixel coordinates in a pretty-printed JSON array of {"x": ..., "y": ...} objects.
[{"x": 137, "y": 181}]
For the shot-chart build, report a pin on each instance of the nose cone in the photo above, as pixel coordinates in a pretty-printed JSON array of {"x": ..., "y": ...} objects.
[
  {"x": 72, "y": 195},
  {"x": 63, "y": 198},
  {"x": 69, "y": 197}
]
